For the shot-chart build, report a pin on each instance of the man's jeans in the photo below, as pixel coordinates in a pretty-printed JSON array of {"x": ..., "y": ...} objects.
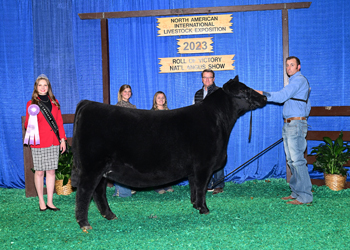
[
  {"x": 121, "y": 191},
  {"x": 216, "y": 177},
  {"x": 294, "y": 134}
]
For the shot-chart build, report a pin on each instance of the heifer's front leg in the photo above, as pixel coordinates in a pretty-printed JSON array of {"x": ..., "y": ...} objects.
[
  {"x": 199, "y": 186},
  {"x": 100, "y": 199},
  {"x": 200, "y": 203}
]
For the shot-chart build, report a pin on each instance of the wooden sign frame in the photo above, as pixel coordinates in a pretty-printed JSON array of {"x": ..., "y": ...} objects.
[{"x": 104, "y": 16}]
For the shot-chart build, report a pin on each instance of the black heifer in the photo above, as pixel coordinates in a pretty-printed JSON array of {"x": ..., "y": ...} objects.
[{"x": 142, "y": 148}]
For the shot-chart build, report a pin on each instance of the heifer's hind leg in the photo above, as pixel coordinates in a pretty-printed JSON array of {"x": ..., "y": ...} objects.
[
  {"x": 193, "y": 190},
  {"x": 82, "y": 200},
  {"x": 100, "y": 199}
]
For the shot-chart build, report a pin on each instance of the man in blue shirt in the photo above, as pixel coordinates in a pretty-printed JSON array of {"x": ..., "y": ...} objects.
[{"x": 296, "y": 109}]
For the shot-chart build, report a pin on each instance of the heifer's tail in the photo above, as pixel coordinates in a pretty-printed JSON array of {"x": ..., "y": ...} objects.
[{"x": 75, "y": 176}]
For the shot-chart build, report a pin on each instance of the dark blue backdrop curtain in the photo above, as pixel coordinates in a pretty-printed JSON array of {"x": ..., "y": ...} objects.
[
  {"x": 54, "y": 52},
  {"x": 39, "y": 36},
  {"x": 16, "y": 73}
]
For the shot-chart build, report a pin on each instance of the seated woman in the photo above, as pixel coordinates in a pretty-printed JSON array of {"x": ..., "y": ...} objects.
[
  {"x": 124, "y": 95},
  {"x": 160, "y": 103}
]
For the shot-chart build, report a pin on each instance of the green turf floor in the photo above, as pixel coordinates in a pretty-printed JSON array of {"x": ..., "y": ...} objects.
[{"x": 246, "y": 216}]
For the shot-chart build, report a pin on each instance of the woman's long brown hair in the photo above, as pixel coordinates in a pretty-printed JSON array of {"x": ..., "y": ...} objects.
[{"x": 35, "y": 95}]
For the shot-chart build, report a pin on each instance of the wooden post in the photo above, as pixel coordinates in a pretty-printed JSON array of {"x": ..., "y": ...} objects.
[
  {"x": 28, "y": 165},
  {"x": 105, "y": 61},
  {"x": 285, "y": 39}
]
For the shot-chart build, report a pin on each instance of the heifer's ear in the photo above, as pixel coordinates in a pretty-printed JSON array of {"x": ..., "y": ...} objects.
[{"x": 230, "y": 85}]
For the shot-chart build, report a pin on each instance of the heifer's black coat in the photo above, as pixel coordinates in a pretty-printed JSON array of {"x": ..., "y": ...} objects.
[{"x": 141, "y": 148}]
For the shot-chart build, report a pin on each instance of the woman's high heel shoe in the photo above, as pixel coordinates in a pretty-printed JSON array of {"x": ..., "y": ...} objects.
[{"x": 53, "y": 209}]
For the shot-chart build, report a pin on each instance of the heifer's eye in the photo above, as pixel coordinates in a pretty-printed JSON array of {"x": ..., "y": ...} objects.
[{"x": 247, "y": 94}]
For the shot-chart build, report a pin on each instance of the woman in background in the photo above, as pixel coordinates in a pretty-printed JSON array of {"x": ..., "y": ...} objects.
[
  {"x": 46, "y": 154},
  {"x": 160, "y": 103},
  {"x": 124, "y": 95}
]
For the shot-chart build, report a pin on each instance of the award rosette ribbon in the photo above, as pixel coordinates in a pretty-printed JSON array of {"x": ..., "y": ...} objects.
[{"x": 32, "y": 128}]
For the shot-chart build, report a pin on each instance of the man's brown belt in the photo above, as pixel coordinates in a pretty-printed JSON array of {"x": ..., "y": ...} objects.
[{"x": 288, "y": 120}]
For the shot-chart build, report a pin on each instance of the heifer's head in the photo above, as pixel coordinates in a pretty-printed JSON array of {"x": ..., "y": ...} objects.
[{"x": 249, "y": 99}]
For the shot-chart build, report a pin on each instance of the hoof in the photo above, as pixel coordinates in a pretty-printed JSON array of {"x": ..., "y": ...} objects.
[
  {"x": 204, "y": 212},
  {"x": 86, "y": 228},
  {"x": 84, "y": 225},
  {"x": 110, "y": 216}
]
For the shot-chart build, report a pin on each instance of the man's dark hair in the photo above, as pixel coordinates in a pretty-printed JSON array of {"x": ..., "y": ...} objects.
[
  {"x": 208, "y": 70},
  {"x": 294, "y": 57}
]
